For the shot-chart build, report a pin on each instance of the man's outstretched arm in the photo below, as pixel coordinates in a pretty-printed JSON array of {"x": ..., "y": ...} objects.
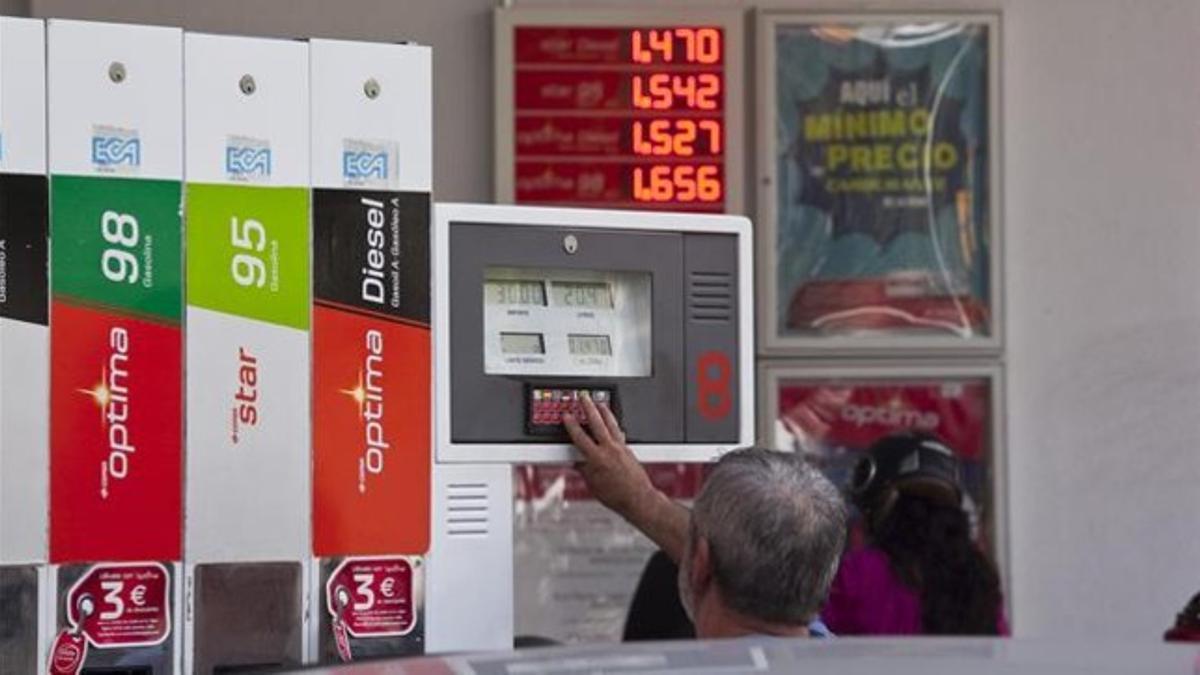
[{"x": 616, "y": 478}]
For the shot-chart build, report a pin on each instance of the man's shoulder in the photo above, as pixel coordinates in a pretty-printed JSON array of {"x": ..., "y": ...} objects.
[{"x": 818, "y": 629}]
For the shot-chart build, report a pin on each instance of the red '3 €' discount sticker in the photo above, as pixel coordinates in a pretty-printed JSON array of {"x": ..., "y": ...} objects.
[
  {"x": 114, "y": 605},
  {"x": 372, "y": 596}
]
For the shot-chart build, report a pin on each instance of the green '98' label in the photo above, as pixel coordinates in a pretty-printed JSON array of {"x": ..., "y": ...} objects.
[
  {"x": 116, "y": 243},
  {"x": 247, "y": 252}
]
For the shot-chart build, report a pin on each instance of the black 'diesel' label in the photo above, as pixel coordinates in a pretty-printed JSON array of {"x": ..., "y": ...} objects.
[
  {"x": 23, "y": 230},
  {"x": 371, "y": 251}
]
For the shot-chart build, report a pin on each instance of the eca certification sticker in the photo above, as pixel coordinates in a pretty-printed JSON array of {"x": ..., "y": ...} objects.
[{"x": 370, "y": 597}]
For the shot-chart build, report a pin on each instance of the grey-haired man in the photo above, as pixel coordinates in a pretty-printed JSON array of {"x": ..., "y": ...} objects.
[{"x": 760, "y": 547}]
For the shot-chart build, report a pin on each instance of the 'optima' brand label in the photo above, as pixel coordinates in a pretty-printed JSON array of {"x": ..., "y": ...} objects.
[
  {"x": 371, "y": 371},
  {"x": 115, "y": 437},
  {"x": 115, "y": 385},
  {"x": 890, "y": 416}
]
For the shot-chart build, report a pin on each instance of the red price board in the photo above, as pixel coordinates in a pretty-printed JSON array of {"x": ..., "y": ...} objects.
[{"x": 595, "y": 112}]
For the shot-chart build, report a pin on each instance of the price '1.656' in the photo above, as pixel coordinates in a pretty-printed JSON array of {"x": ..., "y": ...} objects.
[{"x": 680, "y": 183}]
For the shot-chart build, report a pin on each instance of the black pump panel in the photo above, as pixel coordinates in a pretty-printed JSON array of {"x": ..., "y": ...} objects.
[{"x": 689, "y": 393}]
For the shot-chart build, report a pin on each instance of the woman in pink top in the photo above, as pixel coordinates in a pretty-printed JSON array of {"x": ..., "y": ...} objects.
[{"x": 920, "y": 572}]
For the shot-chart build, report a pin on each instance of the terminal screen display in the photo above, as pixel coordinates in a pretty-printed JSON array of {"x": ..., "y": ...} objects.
[
  {"x": 583, "y": 294},
  {"x": 522, "y": 343},
  {"x": 590, "y": 345},
  {"x": 515, "y": 292},
  {"x": 574, "y": 323}
]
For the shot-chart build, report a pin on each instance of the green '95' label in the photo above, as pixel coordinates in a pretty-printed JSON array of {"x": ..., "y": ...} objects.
[
  {"x": 116, "y": 243},
  {"x": 247, "y": 252}
]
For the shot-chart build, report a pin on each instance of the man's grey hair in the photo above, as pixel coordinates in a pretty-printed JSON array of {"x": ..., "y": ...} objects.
[{"x": 775, "y": 529}]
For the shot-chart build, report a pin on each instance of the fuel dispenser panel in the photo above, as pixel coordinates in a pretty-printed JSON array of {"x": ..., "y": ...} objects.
[{"x": 646, "y": 312}]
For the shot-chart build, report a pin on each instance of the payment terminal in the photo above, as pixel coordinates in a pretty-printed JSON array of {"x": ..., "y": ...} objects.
[{"x": 650, "y": 313}]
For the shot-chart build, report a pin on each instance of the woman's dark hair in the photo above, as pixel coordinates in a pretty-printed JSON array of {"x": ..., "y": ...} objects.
[{"x": 931, "y": 551}]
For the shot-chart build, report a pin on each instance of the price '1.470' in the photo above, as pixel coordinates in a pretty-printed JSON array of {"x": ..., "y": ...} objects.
[{"x": 700, "y": 45}]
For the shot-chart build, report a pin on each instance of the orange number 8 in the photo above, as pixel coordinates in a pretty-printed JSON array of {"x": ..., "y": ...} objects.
[{"x": 712, "y": 377}]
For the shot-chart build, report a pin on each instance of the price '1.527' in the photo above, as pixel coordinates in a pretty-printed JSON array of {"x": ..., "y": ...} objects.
[{"x": 676, "y": 138}]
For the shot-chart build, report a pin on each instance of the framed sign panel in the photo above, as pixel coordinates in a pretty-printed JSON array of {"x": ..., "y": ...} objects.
[
  {"x": 620, "y": 108},
  {"x": 833, "y": 414},
  {"x": 879, "y": 183}
]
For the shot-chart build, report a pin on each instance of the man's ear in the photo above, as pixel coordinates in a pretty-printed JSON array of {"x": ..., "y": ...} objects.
[{"x": 701, "y": 572}]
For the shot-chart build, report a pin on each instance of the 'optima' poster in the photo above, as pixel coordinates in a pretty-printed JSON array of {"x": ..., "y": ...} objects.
[{"x": 834, "y": 421}]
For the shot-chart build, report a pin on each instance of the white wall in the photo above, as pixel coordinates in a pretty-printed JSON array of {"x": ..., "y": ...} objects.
[
  {"x": 1102, "y": 131},
  {"x": 1102, "y": 205}
]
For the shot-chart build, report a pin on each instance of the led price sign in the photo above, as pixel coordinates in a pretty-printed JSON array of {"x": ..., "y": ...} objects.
[{"x": 619, "y": 116}]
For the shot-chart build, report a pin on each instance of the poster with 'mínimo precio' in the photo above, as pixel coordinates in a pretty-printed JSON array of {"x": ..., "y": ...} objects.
[{"x": 879, "y": 192}]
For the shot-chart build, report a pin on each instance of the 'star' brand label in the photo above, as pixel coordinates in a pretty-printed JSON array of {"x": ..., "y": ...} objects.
[{"x": 248, "y": 356}]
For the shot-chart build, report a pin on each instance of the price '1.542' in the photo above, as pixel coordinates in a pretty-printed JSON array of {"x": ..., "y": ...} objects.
[{"x": 667, "y": 91}]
